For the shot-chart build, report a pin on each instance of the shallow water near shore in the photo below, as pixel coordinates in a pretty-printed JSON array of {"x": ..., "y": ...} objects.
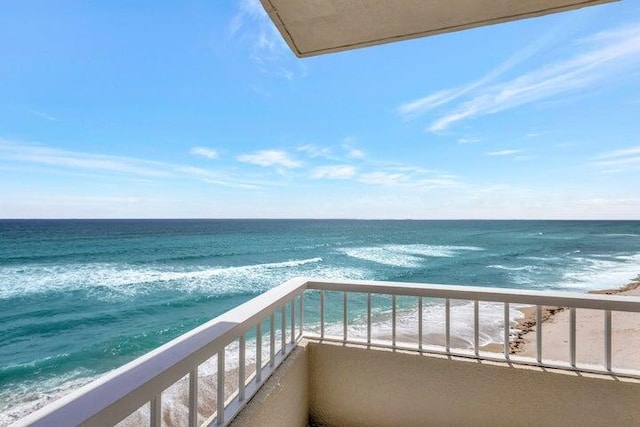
[{"x": 79, "y": 298}]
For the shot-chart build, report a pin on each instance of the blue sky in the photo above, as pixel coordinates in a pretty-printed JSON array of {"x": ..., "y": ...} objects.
[{"x": 198, "y": 109}]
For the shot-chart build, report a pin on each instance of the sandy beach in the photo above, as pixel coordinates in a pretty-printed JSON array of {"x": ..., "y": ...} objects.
[{"x": 589, "y": 334}]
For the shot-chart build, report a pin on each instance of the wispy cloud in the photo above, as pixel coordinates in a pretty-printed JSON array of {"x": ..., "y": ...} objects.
[
  {"x": 334, "y": 172},
  {"x": 413, "y": 109},
  {"x": 43, "y": 115},
  {"x": 33, "y": 153},
  {"x": 240, "y": 185},
  {"x": 28, "y": 153},
  {"x": 469, "y": 140},
  {"x": 204, "y": 152},
  {"x": 602, "y": 57},
  {"x": 270, "y": 158},
  {"x": 503, "y": 152},
  {"x": 618, "y": 161},
  {"x": 605, "y": 57},
  {"x": 385, "y": 178},
  {"x": 412, "y": 178},
  {"x": 355, "y": 153},
  {"x": 348, "y": 144},
  {"x": 617, "y": 154},
  {"x": 314, "y": 151},
  {"x": 267, "y": 46}
]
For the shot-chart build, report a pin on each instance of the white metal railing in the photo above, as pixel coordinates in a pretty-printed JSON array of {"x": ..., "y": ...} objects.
[
  {"x": 508, "y": 297},
  {"x": 120, "y": 393}
]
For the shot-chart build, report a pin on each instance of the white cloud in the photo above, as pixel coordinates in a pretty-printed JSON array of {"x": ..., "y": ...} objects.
[
  {"x": 334, "y": 172},
  {"x": 415, "y": 170},
  {"x": 204, "y": 152},
  {"x": 270, "y": 158},
  {"x": 267, "y": 47},
  {"x": 348, "y": 144},
  {"x": 385, "y": 178},
  {"x": 469, "y": 140},
  {"x": 413, "y": 109},
  {"x": 234, "y": 184},
  {"x": 315, "y": 151},
  {"x": 602, "y": 202},
  {"x": 43, "y": 115},
  {"x": 604, "y": 56},
  {"x": 34, "y": 153},
  {"x": 618, "y": 161},
  {"x": 633, "y": 151},
  {"x": 503, "y": 153},
  {"x": 102, "y": 163},
  {"x": 355, "y": 153},
  {"x": 411, "y": 177}
]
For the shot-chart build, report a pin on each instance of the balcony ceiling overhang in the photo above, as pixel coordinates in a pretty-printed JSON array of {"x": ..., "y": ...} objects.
[{"x": 314, "y": 27}]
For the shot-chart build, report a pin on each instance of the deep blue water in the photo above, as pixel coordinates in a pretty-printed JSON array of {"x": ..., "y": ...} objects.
[{"x": 81, "y": 297}]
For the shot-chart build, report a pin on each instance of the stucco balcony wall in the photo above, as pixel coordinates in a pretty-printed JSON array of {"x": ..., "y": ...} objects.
[{"x": 332, "y": 384}]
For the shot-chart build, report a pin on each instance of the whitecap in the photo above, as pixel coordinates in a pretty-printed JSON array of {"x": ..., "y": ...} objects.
[{"x": 125, "y": 280}]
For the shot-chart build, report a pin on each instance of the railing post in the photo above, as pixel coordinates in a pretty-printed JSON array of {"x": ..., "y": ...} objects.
[
  {"x": 321, "y": 314},
  {"x": 259, "y": 352},
  {"x": 369, "y": 318},
  {"x": 272, "y": 339},
  {"x": 476, "y": 327},
  {"x": 539, "y": 333},
  {"x": 283, "y": 327},
  {"x": 572, "y": 336},
  {"x": 155, "y": 410},
  {"x": 607, "y": 340},
  {"x": 420, "y": 323},
  {"x": 301, "y": 308},
  {"x": 193, "y": 397},
  {"x": 241, "y": 367},
  {"x": 283, "y": 337},
  {"x": 447, "y": 325},
  {"x": 293, "y": 320},
  {"x": 220, "y": 388},
  {"x": 393, "y": 320},
  {"x": 345, "y": 320},
  {"x": 507, "y": 331}
]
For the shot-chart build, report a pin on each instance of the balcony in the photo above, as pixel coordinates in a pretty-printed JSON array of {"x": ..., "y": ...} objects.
[{"x": 370, "y": 353}]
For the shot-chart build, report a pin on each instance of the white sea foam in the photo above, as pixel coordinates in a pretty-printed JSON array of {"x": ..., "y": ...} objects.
[
  {"x": 408, "y": 256},
  {"x": 431, "y": 250},
  {"x": 383, "y": 256},
  {"x": 114, "y": 280},
  {"x": 592, "y": 273},
  {"x": 507, "y": 268},
  {"x": 543, "y": 258}
]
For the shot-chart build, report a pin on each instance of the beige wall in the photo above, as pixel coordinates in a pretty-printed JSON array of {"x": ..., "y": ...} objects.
[
  {"x": 283, "y": 399},
  {"x": 337, "y": 385},
  {"x": 360, "y": 387}
]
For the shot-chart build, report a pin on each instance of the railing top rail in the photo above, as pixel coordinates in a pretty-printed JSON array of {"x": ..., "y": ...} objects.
[
  {"x": 519, "y": 296},
  {"x": 127, "y": 388}
]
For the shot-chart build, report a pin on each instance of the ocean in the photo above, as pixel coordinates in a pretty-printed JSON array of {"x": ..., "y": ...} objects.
[{"x": 81, "y": 297}]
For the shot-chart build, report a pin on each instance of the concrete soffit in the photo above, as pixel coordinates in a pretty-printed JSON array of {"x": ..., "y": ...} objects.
[{"x": 314, "y": 27}]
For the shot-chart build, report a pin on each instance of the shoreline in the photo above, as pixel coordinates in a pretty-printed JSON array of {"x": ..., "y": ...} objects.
[{"x": 589, "y": 332}]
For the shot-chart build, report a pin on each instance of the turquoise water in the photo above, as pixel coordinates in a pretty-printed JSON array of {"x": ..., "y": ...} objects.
[{"x": 78, "y": 298}]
